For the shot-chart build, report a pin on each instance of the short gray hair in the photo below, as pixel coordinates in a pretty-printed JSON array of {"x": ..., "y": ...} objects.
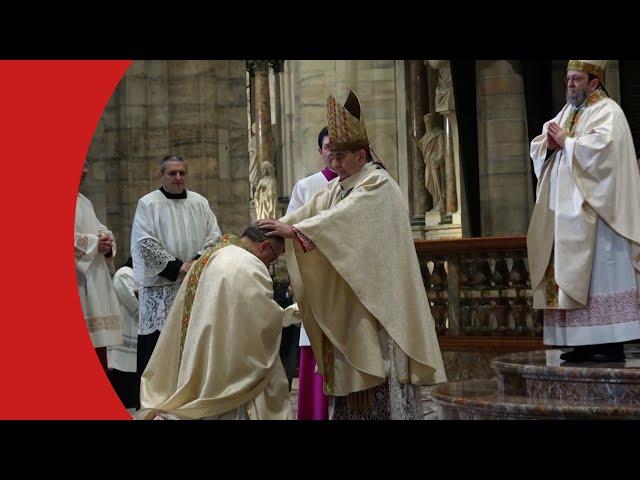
[{"x": 170, "y": 158}]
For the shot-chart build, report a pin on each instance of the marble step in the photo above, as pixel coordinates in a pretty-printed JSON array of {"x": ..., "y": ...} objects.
[
  {"x": 541, "y": 375},
  {"x": 480, "y": 400}
]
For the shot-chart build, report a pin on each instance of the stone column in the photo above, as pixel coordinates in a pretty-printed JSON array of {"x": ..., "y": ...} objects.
[
  {"x": 612, "y": 79},
  {"x": 264, "y": 135},
  {"x": 277, "y": 66},
  {"x": 506, "y": 196},
  {"x": 252, "y": 90},
  {"x": 450, "y": 157},
  {"x": 288, "y": 107},
  {"x": 418, "y": 107}
]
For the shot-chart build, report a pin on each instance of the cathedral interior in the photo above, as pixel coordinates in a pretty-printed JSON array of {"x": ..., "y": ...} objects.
[{"x": 469, "y": 210}]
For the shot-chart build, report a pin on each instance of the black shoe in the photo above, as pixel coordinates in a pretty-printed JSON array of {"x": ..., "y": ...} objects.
[
  {"x": 608, "y": 358},
  {"x": 608, "y": 352},
  {"x": 579, "y": 354}
]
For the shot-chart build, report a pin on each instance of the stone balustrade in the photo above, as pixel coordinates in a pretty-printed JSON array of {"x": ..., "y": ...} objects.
[{"x": 479, "y": 286}]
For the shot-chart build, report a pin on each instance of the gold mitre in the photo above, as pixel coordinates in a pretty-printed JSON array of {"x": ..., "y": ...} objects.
[
  {"x": 345, "y": 124},
  {"x": 594, "y": 67}
]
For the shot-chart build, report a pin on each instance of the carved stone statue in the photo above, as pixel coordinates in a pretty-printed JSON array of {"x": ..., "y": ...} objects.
[
  {"x": 445, "y": 101},
  {"x": 433, "y": 151},
  {"x": 253, "y": 164},
  {"x": 445, "y": 105},
  {"x": 266, "y": 195}
]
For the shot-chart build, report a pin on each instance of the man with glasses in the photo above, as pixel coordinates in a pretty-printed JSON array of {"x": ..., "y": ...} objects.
[
  {"x": 355, "y": 272},
  {"x": 584, "y": 236},
  {"x": 172, "y": 227},
  {"x": 274, "y": 256},
  {"x": 218, "y": 354}
]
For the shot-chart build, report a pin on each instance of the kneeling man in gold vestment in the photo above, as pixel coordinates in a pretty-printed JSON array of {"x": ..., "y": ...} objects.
[{"x": 218, "y": 354}]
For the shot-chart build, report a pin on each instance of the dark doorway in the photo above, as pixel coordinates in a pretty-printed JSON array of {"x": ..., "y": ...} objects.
[
  {"x": 630, "y": 97},
  {"x": 463, "y": 75}
]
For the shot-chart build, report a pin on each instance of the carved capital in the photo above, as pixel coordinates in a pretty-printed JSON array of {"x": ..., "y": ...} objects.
[
  {"x": 250, "y": 67},
  {"x": 276, "y": 65},
  {"x": 258, "y": 66}
]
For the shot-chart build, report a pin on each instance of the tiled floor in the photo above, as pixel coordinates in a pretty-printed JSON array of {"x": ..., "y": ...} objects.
[{"x": 428, "y": 404}]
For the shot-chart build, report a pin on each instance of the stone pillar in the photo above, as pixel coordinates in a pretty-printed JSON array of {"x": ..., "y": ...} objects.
[
  {"x": 264, "y": 135},
  {"x": 288, "y": 107},
  {"x": 450, "y": 156},
  {"x": 504, "y": 164},
  {"x": 421, "y": 200},
  {"x": 612, "y": 79},
  {"x": 277, "y": 66},
  {"x": 265, "y": 195},
  {"x": 252, "y": 91}
]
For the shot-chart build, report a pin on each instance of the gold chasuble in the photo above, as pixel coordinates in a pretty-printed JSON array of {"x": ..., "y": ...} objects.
[
  {"x": 360, "y": 286},
  {"x": 219, "y": 349}
]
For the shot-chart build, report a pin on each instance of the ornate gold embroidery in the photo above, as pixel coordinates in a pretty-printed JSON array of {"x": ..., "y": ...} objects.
[
  {"x": 327, "y": 366},
  {"x": 551, "y": 287},
  {"x": 305, "y": 242},
  {"x": 109, "y": 322},
  {"x": 573, "y": 119},
  {"x": 81, "y": 246},
  {"x": 595, "y": 97},
  {"x": 585, "y": 67}
]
